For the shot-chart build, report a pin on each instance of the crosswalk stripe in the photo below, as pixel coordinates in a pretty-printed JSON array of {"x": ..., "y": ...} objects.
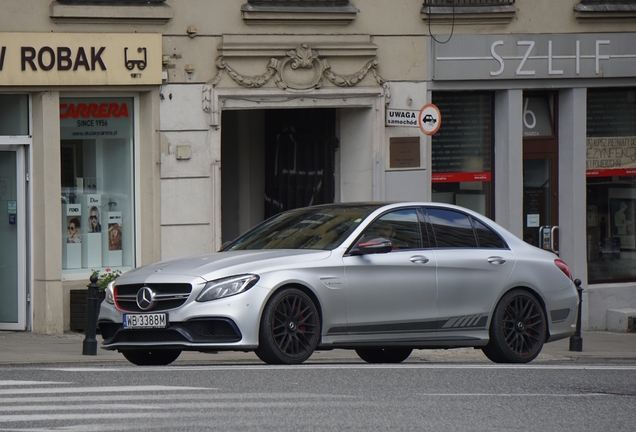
[
  {"x": 99, "y": 390},
  {"x": 18, "y": 383}
]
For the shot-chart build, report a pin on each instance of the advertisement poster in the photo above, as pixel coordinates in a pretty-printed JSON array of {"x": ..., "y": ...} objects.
[{"x": 114, "y": 232}]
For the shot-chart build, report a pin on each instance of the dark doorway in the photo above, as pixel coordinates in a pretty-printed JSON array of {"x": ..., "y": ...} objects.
[
  {"x": 299, "y": 158},
  {"x": 272, "y": 161}
]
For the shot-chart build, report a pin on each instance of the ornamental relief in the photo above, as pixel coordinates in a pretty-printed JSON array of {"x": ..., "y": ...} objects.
[{"x": 301, "y": 69}]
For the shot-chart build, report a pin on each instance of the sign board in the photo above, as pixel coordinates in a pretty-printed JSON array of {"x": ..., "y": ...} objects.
[
  {"x": 429, "y": 119},
  {"x": 535, "y": 56},
  {"x": 48, "y": 59},
  {"x": 401, "y": 117},
  {"x": 404, "y": 152}
]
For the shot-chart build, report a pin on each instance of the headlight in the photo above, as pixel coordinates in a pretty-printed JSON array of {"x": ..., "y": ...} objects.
[
  {"x": 226, "y": 287},
  {"x": 110, "y": 293}
]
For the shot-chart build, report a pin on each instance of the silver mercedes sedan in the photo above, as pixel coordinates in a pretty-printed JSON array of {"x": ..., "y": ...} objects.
[{"x": 381, "y": 279}]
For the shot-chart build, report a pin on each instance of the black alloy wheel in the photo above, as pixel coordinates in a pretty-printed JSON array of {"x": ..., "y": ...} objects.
[
  {"x": 518, "y": 329},
  {"x": 290, "y": 328},
  {"x": 384, "y": 355},
  {"x": 151, "y": 357}
]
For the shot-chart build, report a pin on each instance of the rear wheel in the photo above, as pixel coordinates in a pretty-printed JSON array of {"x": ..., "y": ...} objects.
[
  {"x": 290, "y": 328},
  {"x": 151, "y": 357},
  {"x": 517, "y": 330},
  {"x": 384, "y": 355}
]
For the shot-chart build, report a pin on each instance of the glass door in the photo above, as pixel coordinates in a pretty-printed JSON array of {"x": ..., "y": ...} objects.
[
  {"x": 12, "y": 239},
  {"x": 540, "y": 171}
]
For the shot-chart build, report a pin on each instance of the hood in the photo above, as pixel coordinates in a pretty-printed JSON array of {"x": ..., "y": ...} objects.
[{"x": 220, "y": 264}]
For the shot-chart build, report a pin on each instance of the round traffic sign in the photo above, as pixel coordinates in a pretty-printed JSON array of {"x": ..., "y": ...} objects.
[{"x": 430, "y": 119}]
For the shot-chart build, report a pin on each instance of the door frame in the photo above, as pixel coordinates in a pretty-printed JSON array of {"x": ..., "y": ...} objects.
[
  {"x": 546, "y": 147},
  {"x": 20, "y": 149}
]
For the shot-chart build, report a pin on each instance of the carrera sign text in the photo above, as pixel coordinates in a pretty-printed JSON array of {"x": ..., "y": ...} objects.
[{"x": 103, "y": 110}]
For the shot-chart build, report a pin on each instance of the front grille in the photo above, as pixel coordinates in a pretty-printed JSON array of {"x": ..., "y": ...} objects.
[
  {"x": 167, "y": 296},
  {"x": 200, "y": 330}
]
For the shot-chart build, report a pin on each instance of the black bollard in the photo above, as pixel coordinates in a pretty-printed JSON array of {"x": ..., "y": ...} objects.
[
  {"x": 576, "y": 341},
  {"x": 89, "y": 346}
]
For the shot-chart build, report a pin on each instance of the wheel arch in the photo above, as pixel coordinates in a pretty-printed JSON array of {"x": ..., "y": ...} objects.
[
  {"x": 308, "y": 291},
  {"x": 536, "y": 294}
]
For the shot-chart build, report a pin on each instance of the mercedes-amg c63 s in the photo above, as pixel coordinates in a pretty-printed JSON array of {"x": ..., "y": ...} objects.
[{"x": 381, "y": 279}]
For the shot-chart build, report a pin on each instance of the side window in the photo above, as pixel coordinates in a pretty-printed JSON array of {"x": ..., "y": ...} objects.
[
  {"x": 451, "y": 229},
  {"x": 400, "y": 227},
  {"x": 487, "y": 238}
]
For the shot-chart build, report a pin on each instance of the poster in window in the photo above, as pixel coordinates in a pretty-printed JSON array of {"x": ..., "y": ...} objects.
[
  {"x": 622, "y": 213},
  {"x": 114, "y": 237}
]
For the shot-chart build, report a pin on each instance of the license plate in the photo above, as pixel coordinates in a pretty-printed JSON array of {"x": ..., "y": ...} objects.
[{"x": 136, "y": 321}]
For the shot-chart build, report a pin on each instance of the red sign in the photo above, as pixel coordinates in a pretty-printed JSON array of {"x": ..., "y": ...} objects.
[
  {"x": 103, "y": 110},
  {"x": 461, "y": 177},
  {"x": 622, "y": 172}
]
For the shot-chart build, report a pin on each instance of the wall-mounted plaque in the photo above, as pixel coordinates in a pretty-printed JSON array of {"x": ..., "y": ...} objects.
[{"x": 404, "y": 152}]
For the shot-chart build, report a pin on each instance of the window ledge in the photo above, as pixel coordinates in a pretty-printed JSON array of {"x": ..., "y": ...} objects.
[
  {"x": 605, "y": 12},
  {"x": 329, "y": 15},
  {"x": 469, "y": 15},
  {"x": 146, "y": 14}
]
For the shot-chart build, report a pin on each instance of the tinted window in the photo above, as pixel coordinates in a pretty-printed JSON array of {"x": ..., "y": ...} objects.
[
  {"x": 400, "y": 227},
  {"x": 488, "y": 238},
  {"x": 451, "y": 229},
  {"x": 320, "y": 227}
]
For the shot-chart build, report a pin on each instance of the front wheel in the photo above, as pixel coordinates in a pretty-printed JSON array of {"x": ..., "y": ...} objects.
[
  {"x": 151, "y": 357},
  {"x": 290, "y": 328},
  {"x": 384, "y": 355},
  {"x": 517, "y": 330}
]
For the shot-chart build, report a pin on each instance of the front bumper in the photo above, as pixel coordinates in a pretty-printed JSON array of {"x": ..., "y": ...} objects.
[
  {"x": 228, "y": 324},
  {"x": 192, "y": 335}
]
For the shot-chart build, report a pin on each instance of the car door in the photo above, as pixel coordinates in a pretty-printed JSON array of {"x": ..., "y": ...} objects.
[
  {"x": 473, "y": 264},
  {"x": 392, "y": 295}
]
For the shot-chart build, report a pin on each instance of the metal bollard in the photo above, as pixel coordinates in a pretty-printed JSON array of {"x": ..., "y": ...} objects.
[
  {"x": 89, "y": 347},
  {"x": 576, "y": 341}
]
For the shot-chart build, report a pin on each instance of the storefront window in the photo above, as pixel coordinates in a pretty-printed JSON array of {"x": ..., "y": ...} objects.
[
  {"x": 97, "y": 183},
  {"x": 611, "y": 185},
  {"x": 462, "y": 150},
  {"x": 14, "y": 114}
]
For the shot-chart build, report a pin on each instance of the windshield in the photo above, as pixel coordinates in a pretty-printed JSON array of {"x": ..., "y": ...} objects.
[{"x": 322, "y": 228}]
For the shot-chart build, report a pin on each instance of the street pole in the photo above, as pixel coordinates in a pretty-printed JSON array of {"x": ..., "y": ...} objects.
[
  {"x": 89, "y": 347},
  {"x": 576, "y": 341}
]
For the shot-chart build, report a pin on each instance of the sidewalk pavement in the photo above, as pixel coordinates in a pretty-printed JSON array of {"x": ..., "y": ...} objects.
[{"x": 22, "y": 348}]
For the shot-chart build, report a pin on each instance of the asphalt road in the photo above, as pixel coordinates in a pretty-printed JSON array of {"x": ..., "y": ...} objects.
[{"x": 409, "y": 396}]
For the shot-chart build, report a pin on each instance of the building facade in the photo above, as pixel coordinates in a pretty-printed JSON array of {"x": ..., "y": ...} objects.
[{"x": 133, "y": 131}]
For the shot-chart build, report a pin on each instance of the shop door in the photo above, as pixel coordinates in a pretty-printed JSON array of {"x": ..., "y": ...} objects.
[
  {"x": 12, "y": 240},
  {"x": 540, "y": 171}
]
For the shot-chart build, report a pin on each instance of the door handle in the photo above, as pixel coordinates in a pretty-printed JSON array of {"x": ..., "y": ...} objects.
[
  {"x": 419, "y": 259},
  {"x": 496, "y": 260},
  {"x": 552, "y": 239}
]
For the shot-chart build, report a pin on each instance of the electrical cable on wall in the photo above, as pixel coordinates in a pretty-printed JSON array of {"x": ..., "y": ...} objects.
[{"x": 452, "y": 25}]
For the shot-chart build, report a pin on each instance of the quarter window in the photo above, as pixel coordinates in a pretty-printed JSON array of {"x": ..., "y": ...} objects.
[{"x": 487, "y": 238}]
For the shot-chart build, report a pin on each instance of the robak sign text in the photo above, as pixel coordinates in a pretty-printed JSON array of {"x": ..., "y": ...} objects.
[{"x": 79, "y": 59}]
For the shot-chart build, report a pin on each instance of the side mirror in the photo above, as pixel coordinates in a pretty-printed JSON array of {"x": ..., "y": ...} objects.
[{"x": 372, "y": 246}]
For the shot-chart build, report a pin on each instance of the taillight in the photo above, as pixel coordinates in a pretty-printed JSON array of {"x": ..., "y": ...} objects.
[{"x": 564, "y": 267}]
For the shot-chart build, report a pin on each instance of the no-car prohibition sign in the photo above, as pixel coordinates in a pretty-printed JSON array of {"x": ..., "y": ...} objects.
[{"x": 430, "y": 119}]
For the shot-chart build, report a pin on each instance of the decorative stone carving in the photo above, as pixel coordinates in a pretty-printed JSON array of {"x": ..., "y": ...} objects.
[{"x": 303, "y": 57}]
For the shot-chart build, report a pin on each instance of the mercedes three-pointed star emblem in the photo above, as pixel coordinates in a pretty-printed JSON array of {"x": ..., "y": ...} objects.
[{"x": 145, "y": 298}]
